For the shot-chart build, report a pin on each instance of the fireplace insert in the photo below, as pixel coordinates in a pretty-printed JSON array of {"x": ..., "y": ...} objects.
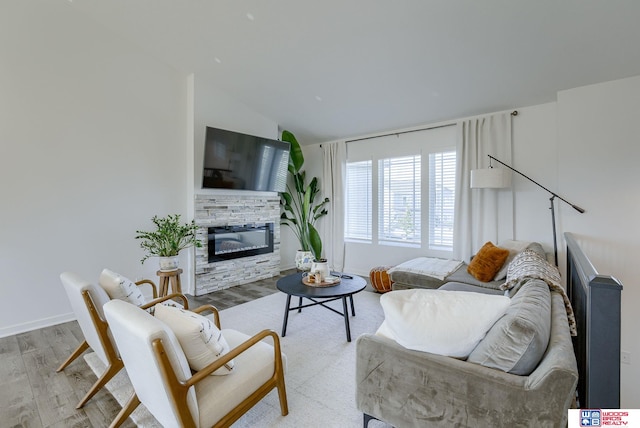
[{"x": 232, "y": 242}]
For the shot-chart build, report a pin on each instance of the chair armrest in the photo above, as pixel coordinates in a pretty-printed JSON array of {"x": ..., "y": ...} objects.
[
  {"x": 185, "y": 302},
  {"x": 151, "y": 283},
  {"x": 206, "y": 371},
  {"x": 214, "y": 311}
]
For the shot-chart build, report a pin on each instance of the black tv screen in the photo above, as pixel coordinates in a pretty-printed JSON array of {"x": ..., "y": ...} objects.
[{"x": 239, "y": 161}]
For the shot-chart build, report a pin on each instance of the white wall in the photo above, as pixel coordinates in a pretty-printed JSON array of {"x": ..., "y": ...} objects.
[
  {"x": 535, "y": 155},
  {"x": 598, "y": 153},
  {"x": 93, "y": 141}
]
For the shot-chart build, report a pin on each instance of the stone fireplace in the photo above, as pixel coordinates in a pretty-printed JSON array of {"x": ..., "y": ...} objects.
[{"x": 240, "y": 237}]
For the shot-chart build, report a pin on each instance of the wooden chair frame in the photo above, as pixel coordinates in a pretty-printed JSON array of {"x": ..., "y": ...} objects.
[
  {"x": 114, "y": 363},
  {"x": 179, "y": 390}
]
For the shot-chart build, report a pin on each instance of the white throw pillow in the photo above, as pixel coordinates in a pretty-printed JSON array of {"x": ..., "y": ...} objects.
[
  {"x": 201, "y": 341},
  {"x": 121, "y": 288},
  {"x": 441, "y": 322}
]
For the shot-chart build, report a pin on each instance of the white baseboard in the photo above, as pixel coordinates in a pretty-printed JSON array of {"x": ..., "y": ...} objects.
[{"x": 36, "y": 324}]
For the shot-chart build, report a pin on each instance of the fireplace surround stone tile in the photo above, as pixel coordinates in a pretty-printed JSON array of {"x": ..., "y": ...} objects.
[{"x": 234, "y": 210}]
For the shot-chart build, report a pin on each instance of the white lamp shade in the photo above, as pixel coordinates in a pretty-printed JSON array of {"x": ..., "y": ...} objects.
[{"x": 490, "y": 178}]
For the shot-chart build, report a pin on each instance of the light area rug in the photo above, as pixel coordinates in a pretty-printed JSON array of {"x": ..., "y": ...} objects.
[{"x": 320, "y": 373}]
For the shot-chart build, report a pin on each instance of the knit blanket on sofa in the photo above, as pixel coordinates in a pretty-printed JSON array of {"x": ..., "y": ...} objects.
[{"x": 529, "y": 264}]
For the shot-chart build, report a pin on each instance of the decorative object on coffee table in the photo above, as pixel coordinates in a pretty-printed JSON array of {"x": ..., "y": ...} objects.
[
  {"x": 380, "y": 280},
  {"x": 317, "y": 280},
  {"x": 320, "y": 266},
  {"x": 169, "y": 238}
]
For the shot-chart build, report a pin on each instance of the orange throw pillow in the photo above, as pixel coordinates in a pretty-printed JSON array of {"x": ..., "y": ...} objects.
[{"x": 487, "y": 262}]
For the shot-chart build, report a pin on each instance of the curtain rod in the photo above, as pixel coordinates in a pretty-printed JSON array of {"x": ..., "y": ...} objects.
[
  {"x": 513, "y": 113},
  {"x": 399, "y": 133}
]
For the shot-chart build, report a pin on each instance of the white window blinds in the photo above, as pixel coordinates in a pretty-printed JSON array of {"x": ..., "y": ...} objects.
[
  {"x": 358, "y": 201},
  {"x": 442, "y": 174},
  {"x": 399, "y": 199}
]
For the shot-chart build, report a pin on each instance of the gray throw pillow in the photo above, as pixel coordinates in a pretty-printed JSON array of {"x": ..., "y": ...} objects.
[{"x": 517, "y": 341}]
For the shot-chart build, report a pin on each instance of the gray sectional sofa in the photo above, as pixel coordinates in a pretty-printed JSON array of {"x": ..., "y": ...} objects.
[{"x": 523, "y": 373}]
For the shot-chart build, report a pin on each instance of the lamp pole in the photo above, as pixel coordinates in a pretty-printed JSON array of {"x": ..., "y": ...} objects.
[{"x": 553, "y": 196}]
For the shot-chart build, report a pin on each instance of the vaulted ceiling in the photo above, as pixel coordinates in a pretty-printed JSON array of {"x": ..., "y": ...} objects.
[{"x": 328, "y": 69}]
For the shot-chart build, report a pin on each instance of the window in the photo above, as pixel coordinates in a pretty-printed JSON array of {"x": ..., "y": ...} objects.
[
  {"x": 399, "y": 199},
  {"x": 358, "y": 201},
  {"x": 442, "y": 175},
  {"x": 400, "y": 194}
]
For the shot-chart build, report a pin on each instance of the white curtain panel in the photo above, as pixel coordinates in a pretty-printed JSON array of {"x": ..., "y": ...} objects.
[
  {"x": 333, "y": 186},
  {"x": 481, "y": 214}
]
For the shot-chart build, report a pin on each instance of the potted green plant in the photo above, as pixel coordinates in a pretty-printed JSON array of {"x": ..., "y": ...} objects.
[
  {"x": 169, "y": 238},
  {"x": 300, "y": 209}
]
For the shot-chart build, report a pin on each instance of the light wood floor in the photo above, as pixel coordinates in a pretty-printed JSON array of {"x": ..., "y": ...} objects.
[{"x": 32, "y": 394}]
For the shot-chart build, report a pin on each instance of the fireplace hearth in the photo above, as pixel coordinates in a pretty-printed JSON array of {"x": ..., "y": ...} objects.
[{"x": 232, "y": 242}]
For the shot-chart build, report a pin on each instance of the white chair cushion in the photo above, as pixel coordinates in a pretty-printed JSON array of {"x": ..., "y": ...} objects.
[
  {"x": 442, "y": 322},
  {"x": 121, "y": 288},
  {"x": 201, "y": 341},
  {"x": 253, "y": 368}
]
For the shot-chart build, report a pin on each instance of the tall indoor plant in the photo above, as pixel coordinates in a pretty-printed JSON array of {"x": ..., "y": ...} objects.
[
  {"x": 300, "y": 210},
  {"x": 169, "y": 238}
]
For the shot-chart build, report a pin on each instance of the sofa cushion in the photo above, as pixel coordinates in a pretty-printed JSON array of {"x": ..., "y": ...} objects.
[
  {"x": 411, "y": 279},
  {"x": 428, "y": 266},
  {"x": 461, "y": 275},
  {"x": 514, "y": 248},
  {"x": 536, "y": 247},
  {"x": 487, "y": 262},
  {"x": 460, "y": 286},
  {"x": 201, "y": 341},
  {"x": 531, "y": 264},
  {"x": 517, "y": 342},
  {"x": 442, "y": 322}
]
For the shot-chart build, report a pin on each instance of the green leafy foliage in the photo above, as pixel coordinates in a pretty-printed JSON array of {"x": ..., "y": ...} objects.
[
  {"x": 169, "y": 238},
  {"x": 301, "y": 206}
]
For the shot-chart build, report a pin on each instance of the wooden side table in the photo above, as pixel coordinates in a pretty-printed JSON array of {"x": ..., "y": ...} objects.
[{"x": 166, "y": 277}]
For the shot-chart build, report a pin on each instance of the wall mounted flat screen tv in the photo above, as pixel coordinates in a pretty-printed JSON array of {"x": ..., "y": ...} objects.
[{"x": 245, "y": 162}]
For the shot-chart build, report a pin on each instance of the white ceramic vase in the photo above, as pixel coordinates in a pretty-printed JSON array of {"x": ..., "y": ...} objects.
[
  {"x": 322, "y": 267},
  {"x": 303, "y": 260},
  {"x": 168, "y": 264}
]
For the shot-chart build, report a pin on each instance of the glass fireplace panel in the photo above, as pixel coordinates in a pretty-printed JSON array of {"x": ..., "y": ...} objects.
[{"x": 231, "y": 242}]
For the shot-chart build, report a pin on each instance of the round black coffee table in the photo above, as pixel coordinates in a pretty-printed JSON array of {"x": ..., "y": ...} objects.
[{"x": 349, "y": 285}]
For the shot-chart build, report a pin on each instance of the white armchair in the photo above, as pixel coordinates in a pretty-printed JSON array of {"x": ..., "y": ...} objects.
[
  {"x": 163, "y": 381},
  {"x": 87, "y": 301}
]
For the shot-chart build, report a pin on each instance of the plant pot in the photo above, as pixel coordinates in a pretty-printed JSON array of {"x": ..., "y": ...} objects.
[
  {"x": 322, "y": 267},
  {"x": 303, "y": 260},
  {"x": 168, "y": 264}
]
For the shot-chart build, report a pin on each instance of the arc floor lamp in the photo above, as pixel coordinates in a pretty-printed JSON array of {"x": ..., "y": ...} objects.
[{"x": 495, "y": 178}]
